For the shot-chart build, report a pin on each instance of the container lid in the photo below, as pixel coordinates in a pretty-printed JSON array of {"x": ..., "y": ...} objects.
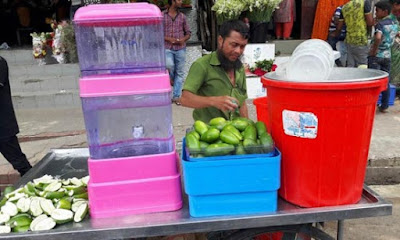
[
  {"x": 308, "y": 66},
  {"x": 124, "y": 84},
  {"x": 340, "y": 78},
  {"x": 104, "y": 13}
]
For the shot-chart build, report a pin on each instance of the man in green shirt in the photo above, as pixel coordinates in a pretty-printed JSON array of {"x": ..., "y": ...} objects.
[{"x": 216, "y": 83}]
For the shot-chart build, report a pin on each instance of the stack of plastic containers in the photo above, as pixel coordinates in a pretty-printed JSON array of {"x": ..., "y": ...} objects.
[{"x": 126, "y": 94}]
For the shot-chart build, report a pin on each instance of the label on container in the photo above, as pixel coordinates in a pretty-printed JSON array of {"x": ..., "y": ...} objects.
[
  {"x": 137, "y": 132},
  {"x": 300, "y": 124}
]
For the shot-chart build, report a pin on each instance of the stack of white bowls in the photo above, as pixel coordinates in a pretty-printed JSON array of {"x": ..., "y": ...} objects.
[{"x": 312, "y": 61}]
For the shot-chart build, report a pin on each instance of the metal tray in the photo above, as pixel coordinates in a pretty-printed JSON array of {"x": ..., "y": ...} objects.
[{"x": 68, "y": 163}]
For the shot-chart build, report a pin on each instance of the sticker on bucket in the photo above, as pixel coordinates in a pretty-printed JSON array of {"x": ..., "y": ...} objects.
[{"x": 300, "y": 124}]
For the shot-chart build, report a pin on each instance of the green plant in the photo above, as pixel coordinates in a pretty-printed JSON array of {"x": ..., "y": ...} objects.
[{"x": 265, "y": 65}]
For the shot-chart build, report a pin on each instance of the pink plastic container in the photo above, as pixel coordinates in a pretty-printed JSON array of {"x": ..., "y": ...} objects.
[
  {"x": 132, "y": 168},
  {"x": 135, "y": 197}
]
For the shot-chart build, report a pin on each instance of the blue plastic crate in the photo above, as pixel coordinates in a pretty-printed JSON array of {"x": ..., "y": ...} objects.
[
  {"x": 230, "y": 187},
  {"x": 392, "y": 95}
]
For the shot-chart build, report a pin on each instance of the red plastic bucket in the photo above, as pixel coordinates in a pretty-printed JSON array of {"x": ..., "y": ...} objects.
[
  {"x": 262, "y": 109},
  {"x": 323, "y": 131}
]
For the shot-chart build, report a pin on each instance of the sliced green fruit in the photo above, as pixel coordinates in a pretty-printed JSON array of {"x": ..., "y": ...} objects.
[
  {"x": 66, "y": 182},
  {"x": 4, "y": 218},
  {"x": 43, "y": 224},
  {"x": 47, "y": 206},
  {"x": 12, "y": 194},
  {"x": 22, "y": 219},
  {"x": 82, "y": 195},
  {"x": 8, "y": 189},
  {"x": 5, "y": 229},
  {"x": 77, "y": 190},
  {"x": 35, "y": 208},
  {"x": 20, "y": 228},
  {"x": 52, "y": 187},
  {"x": 53, "y": 195},
  {"x": 81, "y": 212},
  {"x": 23, "y": 204},
  {"x": 10, "y": 209},
  {"x": 37, "y": 220},
  {"x": 62, "y": 215},
  {"x": 64, "y": 203},
  {"x": 76, "y": 181},
  {"x": 46, "y": 179},
  {"x": 76, "y": 205}
]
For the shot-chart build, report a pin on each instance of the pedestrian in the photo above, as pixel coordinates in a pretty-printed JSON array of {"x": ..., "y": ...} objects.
[
  {"x": 357, "y": 16},
  {"x": 284, "y": 18},
  {"x": 379, "y": 56},
  {"x": 9, "y": 145},
  {"x": 334, "y": 41},
  {"x": 216, "y": 83},
  {"x": 176, "y": 32},
  {"x": 395, "y": 62}
]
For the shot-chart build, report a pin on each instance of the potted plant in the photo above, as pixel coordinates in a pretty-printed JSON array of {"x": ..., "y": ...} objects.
[
  {"x": 228, "y": 9},
  {"x": 262, "y": 67}
]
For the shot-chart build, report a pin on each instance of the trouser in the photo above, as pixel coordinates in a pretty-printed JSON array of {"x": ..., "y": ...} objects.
[
  {"x": 384, "y": 65},
  {"x": 283, "y": 29},
  {"x": 12, "y": 152},
  {"x": 357, "y": 55},
  {"x": 175, "y": 64}
]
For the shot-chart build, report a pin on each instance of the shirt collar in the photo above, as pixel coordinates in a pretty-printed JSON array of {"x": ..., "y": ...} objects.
[{"x": 214, "y": 59}]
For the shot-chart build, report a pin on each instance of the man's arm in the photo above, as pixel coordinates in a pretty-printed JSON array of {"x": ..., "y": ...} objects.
[
  {"x": 223, "y": 103},
  {"x": 338, "y": 30},
  {"x": 374, "y": 48},
  {"x": 244, "y": 112}
]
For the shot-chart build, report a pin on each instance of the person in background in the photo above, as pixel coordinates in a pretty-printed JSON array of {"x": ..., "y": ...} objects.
[
  {"x": 284, "y": 18},
  {"x": 380, "y": 52},
  {"x": 176, "y": 32},
  {"x": 395, "y": 61},
  {"x": 334, "y": 41},
  {"x": 357, "y": 16},
  {"x": 216, "y": 83},
  {"x": 9, "y": 145}
]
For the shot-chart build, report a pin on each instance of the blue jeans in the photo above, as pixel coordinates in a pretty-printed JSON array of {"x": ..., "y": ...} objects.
[
  {"x": 175, "y": 64},
  {"x": 384, "y": 65}
]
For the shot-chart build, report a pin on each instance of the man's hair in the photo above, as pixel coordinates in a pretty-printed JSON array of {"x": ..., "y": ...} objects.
[
  {"x": 169, "y": 2},
  {"x": 395, "y": 1},
  {"x": 384, "y": 5},
  {"x": 234, "y": 25}
]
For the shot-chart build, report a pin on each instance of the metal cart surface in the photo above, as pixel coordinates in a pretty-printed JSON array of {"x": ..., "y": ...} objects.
[{"x": 67, "y": 163}]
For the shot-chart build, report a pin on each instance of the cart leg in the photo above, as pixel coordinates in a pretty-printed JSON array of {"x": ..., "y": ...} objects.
[{"x": 340, "y": 230}]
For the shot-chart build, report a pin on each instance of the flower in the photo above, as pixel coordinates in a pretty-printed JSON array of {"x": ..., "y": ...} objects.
[
  {"x": 261, "y": 10},
  {"x": 264, "y": 66},
  {"x": 228, "y": 9}
]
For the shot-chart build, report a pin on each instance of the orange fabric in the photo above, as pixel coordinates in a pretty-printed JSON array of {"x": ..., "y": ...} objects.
[
  {"x": 323, "y": 17},
  {"x": 283, "y": 29}
]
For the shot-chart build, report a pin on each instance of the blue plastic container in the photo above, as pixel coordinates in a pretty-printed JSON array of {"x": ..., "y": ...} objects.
[
  {"x": 392, "y": 95},
  {"x": 230, "y": 187}
]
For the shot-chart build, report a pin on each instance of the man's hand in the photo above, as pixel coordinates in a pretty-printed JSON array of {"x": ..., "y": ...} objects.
[{"x": 225, "y": 103}]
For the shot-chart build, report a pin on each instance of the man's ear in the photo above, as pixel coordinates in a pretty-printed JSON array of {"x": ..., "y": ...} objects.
[{"x": 220, "y": 41}]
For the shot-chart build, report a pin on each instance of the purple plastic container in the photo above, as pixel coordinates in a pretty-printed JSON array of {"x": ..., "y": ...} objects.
[{"x": 120, "y": 38}]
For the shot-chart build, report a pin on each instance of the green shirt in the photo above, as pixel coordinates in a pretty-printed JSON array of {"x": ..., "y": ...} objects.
[
  {"x": 356, "y": 27},
  {"x": 207, "y": 78}
]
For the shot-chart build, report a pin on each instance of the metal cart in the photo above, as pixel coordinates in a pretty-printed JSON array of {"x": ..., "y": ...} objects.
[{"x": 290, "y": 219}]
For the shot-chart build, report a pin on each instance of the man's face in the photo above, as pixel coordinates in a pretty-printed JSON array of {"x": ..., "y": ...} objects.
[
  {"x": 178, "y": 3},
  {"x": 232, "y": 47}
]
